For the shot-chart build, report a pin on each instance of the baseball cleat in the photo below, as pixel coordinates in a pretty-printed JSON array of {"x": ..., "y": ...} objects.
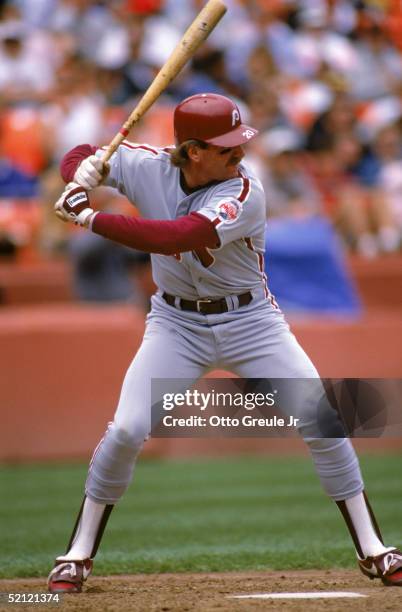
[
  {"x": 69, "y": 576},
  {"x": 387, "y": 566}
]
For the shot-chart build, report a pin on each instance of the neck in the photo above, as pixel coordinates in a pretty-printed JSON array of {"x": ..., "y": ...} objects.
[
  {"x": 191, "y": 188},
  {"x": 194, "y": 179}
]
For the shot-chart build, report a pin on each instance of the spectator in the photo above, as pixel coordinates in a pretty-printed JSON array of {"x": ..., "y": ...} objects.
[
  {"x": 265, "y": 89},
  {"x": 315, "y": 44},
  {"x": 361, "y": 216},
  {"x": 208, "y": 73},
  {"x": 342, "y": 16},
  {"x": 378, "y": 67},
  {"x": 85, "y": 23},
  {"x": 388, "y": 151},
  {"x": 102, "y": 269},
  {"x": 24, "y": 76},
  {"x": 339, "y": 119},
  {"x": 288, "y": 188},
  {"x": 325, "y": 69},
  {"x": 76, "y": 109}
]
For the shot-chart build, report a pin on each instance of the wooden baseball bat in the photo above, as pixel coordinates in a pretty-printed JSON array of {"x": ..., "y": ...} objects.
[{"x": 197, "y": 32}]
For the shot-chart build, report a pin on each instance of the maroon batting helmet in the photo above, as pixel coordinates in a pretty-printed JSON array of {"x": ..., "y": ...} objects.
[{"x": 212, "y": 118}]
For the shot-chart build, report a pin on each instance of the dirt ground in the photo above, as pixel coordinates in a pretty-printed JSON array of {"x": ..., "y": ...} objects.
[{"x": 211, "y": 592}]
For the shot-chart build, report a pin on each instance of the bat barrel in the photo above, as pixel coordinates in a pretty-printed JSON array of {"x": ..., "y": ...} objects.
[{"x": 197, "y": 32}]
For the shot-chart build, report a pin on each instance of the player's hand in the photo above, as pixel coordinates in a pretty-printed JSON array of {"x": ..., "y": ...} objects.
[
  {"x": 91, "y": 172},
  {"x": 74, "y": 205}
]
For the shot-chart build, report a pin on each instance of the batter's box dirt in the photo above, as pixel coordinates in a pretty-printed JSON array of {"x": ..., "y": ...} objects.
[{"x": 212, "y": 592}]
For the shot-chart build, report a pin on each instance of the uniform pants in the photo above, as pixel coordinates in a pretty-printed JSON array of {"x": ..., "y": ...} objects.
[{"x": 252, "y": 342}]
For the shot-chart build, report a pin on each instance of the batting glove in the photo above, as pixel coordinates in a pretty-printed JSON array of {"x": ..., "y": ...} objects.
[
  {"x": 73, "y": 205},
  {"x": 91, "y": 172}
]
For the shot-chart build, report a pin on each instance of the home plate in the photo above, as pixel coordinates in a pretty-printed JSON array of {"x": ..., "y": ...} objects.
[{"x": 314, "y": 595}]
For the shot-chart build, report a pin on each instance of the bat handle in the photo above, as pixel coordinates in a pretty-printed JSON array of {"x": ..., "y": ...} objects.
[{"x": 116, "y": 142}]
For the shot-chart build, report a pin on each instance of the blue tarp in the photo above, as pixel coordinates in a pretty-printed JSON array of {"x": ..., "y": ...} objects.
[
  {"x": 306, "y": 267},
  {"x": 15, "y": 183}
]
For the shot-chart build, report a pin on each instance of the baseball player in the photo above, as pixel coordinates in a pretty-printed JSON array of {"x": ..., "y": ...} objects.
[{"x": 203, "y": 221}]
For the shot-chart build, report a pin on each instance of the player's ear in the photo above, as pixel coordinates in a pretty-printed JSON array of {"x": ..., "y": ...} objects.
[{"x": 194, "y": 151}]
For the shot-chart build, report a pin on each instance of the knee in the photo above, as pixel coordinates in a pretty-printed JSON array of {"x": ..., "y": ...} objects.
[
  {"x": 323, "y": 444},
  {"x": 130, "y": 437},
  {"x": 331, "y": 445},
  {"x": 330, "y": 452}
]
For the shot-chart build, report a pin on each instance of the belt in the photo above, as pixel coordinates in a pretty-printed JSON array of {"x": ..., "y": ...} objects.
[{"x": 205, "y": 306}]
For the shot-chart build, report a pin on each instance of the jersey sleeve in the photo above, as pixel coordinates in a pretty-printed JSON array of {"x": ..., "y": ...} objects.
[
  {"x": 72, "y": 160},
  {"x": 126, "y": 167},
  {"x": 236, "y": 208}
]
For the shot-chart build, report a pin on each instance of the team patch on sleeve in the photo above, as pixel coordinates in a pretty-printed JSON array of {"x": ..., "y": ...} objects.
[{"x": 229, "y": 210}]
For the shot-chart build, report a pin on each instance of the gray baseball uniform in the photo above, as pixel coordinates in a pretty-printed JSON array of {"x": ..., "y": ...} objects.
[
  {"x": 236, "y": 207},
  {"x": 253, "y": 341}
]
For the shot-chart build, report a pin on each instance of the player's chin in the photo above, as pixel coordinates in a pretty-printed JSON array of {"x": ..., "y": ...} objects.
[{"x": 232, "y": 171}]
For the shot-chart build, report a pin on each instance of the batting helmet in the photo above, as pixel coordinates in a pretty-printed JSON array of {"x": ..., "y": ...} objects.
[{"x": 211, "y": 118}]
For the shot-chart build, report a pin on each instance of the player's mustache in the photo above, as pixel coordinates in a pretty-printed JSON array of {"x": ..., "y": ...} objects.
[{"x": 233, "y": 161}]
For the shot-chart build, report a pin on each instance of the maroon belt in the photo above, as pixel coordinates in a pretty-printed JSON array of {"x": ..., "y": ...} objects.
[{"x": 205, "y": 306}]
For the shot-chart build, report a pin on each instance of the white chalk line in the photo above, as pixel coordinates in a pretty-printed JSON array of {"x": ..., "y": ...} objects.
[{"x": 312, "y": 595}]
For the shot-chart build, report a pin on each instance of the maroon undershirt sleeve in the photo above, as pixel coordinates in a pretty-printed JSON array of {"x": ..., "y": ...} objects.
[
  {"x": 72, "y": 160},
  {"x": 164, "y": 237}
]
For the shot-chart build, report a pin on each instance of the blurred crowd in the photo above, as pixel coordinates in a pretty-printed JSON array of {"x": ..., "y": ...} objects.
[{"x": 320, "y": 79}]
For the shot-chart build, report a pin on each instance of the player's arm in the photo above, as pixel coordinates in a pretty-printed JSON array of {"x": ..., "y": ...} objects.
[
  {"x": 165, "y": 237},
  {"x": 236, "y": 208},
  {"x": 82, "y": 166}
]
